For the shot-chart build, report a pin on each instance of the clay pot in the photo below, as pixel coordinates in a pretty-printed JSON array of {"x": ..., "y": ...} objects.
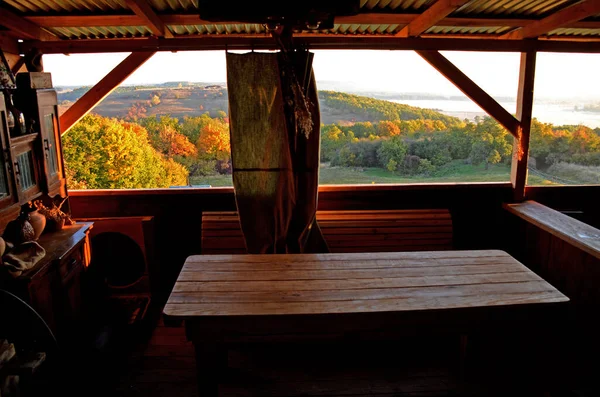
[
  {"x": 38, "y": 221},
  {"x": 19, "y": 230},
  {"x": 55, "y": 226}
]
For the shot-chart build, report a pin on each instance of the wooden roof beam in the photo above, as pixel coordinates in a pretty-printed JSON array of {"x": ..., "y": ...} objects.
[
  {"x": 144, "y": 10},
  {"x": 312, "y": 41},
  {"x": 102, "y": 89},
  {"x": 559, "y": 19},
  {"x": 64, "y": 21},
  {"x": 472, "y": 90},
  {"x": 22, "y": 28},
  {"x": 9, "y": 44},
  {"x": 438, "y": 11}
]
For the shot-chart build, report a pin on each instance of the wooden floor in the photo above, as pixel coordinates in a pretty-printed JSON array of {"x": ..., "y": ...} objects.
[
  {"x": 166, "y": 367},
  {"x": 158, "y": 361}
]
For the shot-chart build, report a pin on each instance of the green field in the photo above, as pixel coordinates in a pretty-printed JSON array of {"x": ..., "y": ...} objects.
[{"x": 455, "y": 171}]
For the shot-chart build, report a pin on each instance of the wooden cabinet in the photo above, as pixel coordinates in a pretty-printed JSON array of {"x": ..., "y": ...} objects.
[
  {"x": 25, "y": 167},
  {"x": 30, "y": 165},
  {"x": 8, "y": 196},
  {"x": 53, "y": 286},
  {"x": 51, "y": 144},
  {"x": 40, "y": 107}
]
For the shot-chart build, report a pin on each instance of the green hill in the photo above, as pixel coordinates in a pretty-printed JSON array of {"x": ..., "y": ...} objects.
[
  {"x": 362, "y": 108},
  {"x": 194, "y": 99}
]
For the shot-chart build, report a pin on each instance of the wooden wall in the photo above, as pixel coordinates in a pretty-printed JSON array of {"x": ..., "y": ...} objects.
[
  {"x": 476, "y": 211},
  {"x": 576, "y": 274}
]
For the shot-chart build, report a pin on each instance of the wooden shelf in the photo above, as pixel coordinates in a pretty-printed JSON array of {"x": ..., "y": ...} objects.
[{"x": 24, "y": 138}]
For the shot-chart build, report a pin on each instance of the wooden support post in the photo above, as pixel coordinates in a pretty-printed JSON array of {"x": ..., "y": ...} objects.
[
  {"x": 518, "y": 175},
  {"x": 143, "y": 9},
  {"x": 438, "y": 11},
  {"x": 23, "y": 28},
  {"x": 472, "y": 90},
  {"x": 102, "y": 89},
  {"x": 564, "y": 17}
]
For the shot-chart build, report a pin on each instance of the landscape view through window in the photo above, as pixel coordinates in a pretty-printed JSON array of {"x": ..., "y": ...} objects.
[{"x": 387, "y": 117}]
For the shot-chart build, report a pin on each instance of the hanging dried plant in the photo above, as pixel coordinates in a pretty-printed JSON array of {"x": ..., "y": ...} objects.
[{"x": 55, "y": 213}]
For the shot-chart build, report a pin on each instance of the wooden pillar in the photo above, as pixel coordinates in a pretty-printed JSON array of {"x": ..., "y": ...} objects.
[
  {"x": 520, "y": 158},
  {"x": 104, "y": 87}
]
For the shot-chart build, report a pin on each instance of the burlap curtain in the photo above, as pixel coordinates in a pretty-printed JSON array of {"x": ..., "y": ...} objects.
[{"x": 275, "y": 167}]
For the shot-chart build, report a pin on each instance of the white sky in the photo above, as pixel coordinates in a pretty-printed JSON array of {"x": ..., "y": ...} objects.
[{"x": 557, "y": 75}]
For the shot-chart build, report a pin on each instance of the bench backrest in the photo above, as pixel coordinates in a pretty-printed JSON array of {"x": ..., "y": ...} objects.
[{"x": 347, "y": 231}]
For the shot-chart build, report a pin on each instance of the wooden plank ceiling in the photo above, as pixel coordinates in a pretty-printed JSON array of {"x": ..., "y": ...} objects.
[{"x": 72, "y": 26}]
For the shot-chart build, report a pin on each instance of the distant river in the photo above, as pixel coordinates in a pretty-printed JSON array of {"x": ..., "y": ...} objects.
[{"x": 555, "y": 113}]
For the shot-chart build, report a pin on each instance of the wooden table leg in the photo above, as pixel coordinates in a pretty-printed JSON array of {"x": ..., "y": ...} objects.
[{"x": 211, "y": 363}]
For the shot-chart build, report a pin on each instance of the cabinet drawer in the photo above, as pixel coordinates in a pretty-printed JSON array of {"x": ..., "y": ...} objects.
[{"x": 67, "y": 265}]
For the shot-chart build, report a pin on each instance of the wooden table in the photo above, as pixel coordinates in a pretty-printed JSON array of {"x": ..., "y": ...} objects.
[{"x": 243, "y": 298}]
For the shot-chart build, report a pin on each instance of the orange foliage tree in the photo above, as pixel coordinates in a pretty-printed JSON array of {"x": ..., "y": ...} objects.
[{"x": 173, "y": 143}]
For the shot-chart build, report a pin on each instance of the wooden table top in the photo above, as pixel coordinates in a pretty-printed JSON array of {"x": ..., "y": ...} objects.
[{"x": 297, "y": 284}]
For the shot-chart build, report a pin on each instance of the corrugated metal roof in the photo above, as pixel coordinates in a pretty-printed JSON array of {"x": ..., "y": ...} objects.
[
  {"x": 397, "y": 5},
  {"x": 468, "y": 30},
  {"x": 175, "y": 5},
  {"x": 217, "y": 29},
  {"x": 66, "y": 6},
  {"x": 364, "y": 29},
  {"x": 527, "y": 9},
  {"x": 361, "y": 29},
  {"x": 512, "y": 8},
  {"x": 102, "y": 32},
  {"x": 574, "y": 32}
]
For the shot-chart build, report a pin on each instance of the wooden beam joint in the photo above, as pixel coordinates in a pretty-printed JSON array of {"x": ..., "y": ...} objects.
[
  {"x": 438, "y": 11},
  {"x": 22, "y": 28},
  {"x": 144, "y": 10},
  {"x": 102, "y": 89},
  {"x": 562, "y": 18}
]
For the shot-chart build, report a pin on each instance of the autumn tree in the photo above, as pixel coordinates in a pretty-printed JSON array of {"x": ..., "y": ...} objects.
[
  {"x": 387, "y": 128},
  {"x": 173, "y": 143},
  {"x": 392, "y": 152},
  {"x": 333, "y": 138},
  {"x": 214, "y": 146},
  {"x": 103, "y": 153}
]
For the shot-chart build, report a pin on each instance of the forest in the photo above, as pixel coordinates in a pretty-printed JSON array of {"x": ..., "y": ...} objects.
[{"x": 376, "y": 141}]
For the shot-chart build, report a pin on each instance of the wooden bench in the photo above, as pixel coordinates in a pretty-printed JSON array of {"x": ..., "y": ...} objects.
[{"x": 347, "y": 231}]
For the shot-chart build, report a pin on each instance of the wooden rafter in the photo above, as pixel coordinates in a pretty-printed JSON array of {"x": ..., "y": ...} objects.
[
  {"x": 144, "y": 10},
  {"x": 22, "y": 28},
  {"x": 472, "y": 90},
  {"x": 438, "y": 11},
  {"x": 312, "y": 41},
  {"x": 63, "y": 21},
  {"x": 524, "y": 110},
  {"x": 9, "y": 44},
  {"x": 557, "y": 20},
  {"x": 103, "y": 88}
]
